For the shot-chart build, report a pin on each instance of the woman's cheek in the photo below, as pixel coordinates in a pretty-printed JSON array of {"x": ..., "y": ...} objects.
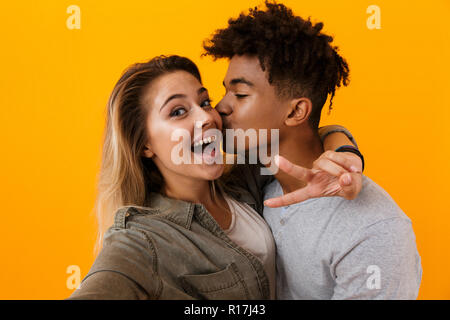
[{"x": 217, "y": 119}]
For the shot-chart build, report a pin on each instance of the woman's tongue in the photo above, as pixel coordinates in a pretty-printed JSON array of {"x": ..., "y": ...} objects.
[{"x": 206, "y": 153}]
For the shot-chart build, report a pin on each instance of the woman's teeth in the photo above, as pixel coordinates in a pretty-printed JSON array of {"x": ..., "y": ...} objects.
[{"x": 204, "y": 141}]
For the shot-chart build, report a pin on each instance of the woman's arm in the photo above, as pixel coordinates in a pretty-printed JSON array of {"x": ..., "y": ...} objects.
[
  {"x": 333, "y": 173},
  {"x": 334, "y": 136},
  {"x": 345, "y": 166},
  {"x": 122, "y": 270},
  {"x": 109, "y": 285},
  {"x": 335, "y": 140}
]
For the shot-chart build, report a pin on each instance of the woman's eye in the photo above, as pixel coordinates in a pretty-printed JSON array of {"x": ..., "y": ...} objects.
[
  {"x": 241, "y": 96},
  {"x": 206, "y": 103},
  {"x": 178, "y": 112}
]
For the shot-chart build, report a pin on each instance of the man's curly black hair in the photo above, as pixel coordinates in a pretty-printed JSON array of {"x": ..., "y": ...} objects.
[{"x": 299, "y": 58}]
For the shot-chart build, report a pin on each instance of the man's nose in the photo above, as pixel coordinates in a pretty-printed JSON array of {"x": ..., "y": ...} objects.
[{"x": 224, "y": 108}]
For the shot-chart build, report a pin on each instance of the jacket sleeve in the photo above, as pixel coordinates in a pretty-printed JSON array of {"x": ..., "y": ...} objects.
[
  {"x": 326, "y": 130},
  {"x": 109, "y": 285},
  {"x": 124, "y": 269},
  {"x": 249, "y": 176}
]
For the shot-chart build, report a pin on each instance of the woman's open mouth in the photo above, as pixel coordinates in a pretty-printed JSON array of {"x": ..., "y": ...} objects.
[{"x": 205, "y": 148}]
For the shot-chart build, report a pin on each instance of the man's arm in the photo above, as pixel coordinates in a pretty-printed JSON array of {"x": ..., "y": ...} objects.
[{"x": 381, "y": 262}]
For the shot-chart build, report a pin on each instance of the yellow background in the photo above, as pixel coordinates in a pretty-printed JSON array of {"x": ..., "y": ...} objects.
[{"x": 55, "y": 83}]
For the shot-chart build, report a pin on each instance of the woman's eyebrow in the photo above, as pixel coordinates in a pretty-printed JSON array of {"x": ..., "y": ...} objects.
[
  {"x": 180, "y": 95},
  {"x": 174, "y": 96}
]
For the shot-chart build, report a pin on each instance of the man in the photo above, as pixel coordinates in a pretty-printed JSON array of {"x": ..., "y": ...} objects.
[{"x": 282, "y": 69}]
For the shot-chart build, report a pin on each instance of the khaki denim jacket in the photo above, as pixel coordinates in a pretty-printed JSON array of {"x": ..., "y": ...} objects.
[{"x": 174, "y": 249}]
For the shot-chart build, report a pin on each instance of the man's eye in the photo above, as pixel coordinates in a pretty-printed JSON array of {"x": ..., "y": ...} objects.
[
  {"x": 178, "y": 112},
  {"x": 241, "y": 96},
  {"x": 206, "y": 103}
]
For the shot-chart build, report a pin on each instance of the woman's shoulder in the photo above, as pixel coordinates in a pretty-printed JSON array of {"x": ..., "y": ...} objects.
[{"x": 160, "y": 209}]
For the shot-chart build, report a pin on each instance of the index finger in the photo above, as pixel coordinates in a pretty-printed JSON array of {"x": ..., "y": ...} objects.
[
  {"x": 298, "y": 172},
  {"x": 288, "y": 199}
]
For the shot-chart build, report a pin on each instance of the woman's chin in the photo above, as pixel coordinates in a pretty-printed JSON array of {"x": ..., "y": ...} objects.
[
  {"x": 212, "y": 171},
  {"x": 209, "y": 164}
]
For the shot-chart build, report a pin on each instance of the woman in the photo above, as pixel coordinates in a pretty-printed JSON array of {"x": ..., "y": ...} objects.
[{"x": 177, "y": 232}]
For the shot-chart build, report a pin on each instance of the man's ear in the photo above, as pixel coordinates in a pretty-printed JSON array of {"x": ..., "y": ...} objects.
[
  {"x": 299, "y": 111},
  {"x": 147, "y": 152}
]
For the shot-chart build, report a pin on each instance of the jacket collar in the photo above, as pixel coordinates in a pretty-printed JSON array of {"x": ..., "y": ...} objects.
[
  {"x": 177, "y": 211},
  {"x": 180, "y": 211}
]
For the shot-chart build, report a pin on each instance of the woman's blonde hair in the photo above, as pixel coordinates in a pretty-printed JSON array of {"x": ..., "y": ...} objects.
[{"x": 126, "y": 177}]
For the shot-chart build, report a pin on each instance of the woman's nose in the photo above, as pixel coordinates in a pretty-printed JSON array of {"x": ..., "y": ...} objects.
[{"x": 204, "y": 118}]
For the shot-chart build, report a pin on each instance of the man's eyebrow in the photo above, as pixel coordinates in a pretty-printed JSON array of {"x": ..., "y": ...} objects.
[
  {"x": 239, "y": 80},
  {"x": 179, "y": 95}
]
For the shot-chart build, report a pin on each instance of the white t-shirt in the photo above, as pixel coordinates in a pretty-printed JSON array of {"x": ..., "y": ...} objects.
[{"x": 249, "y": 230}]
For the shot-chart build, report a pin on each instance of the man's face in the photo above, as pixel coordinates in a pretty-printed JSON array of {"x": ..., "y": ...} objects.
[{"x": 250, "y": 101}]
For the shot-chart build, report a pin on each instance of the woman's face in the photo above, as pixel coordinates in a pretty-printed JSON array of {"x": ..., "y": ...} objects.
[{"x": 177, "y": 102}]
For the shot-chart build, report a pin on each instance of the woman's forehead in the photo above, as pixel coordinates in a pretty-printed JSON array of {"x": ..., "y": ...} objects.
[{"x": 178, "y": 82}]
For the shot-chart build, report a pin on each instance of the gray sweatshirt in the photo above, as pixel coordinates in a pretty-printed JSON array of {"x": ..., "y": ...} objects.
[{"x": 333, "y": 248}]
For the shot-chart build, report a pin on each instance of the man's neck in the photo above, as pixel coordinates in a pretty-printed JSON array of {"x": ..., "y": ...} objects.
[{"x": 302, "y": 150}]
